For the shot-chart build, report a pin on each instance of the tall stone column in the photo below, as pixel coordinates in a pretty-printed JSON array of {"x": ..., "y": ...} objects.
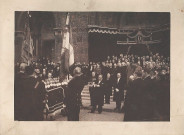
[
  {"x": 58, "y": 44},
  {"x": 19, "y": 38}
]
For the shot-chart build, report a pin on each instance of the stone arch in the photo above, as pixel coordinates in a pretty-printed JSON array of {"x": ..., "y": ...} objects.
[
  {"x": 20, "y": 17},
  {"x": 41, "y": 23}
]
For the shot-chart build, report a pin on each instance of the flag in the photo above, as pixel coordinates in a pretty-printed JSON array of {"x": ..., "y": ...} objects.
[
  {"x": 67, "y": 48},
  {"x": 31, "y": 46},
  {"x": 27, "y": 45}
]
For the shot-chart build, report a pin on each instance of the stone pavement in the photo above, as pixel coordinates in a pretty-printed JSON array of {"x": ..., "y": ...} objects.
[
  {"x": 107, "y": 114},
  {"x": 86, "y": 116},
  {"x": 107, "y": 107}
]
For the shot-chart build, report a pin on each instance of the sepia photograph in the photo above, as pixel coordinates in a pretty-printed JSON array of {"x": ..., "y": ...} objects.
[{"x": 92, "y": 66}]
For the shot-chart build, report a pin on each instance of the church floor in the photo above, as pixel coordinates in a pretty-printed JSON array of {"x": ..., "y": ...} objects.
[
  {"x": 86, "y": 116},
  {"x": 107, "y": 115}
]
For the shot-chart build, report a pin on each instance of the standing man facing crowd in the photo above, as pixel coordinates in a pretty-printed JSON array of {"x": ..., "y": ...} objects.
[{"x": 73, "y": 95}]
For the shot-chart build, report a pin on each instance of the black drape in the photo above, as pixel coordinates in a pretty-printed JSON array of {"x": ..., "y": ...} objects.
[
  {"x": 163, "y": 47},
  {"x": 139, "y": 49},
  {"x": 102, "y": 45},
  {"x": 99, "y": 46}
]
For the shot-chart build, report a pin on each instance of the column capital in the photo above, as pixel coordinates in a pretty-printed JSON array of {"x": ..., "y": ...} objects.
[
  {"x": 58, "y": 31},
  {"x": 19, "y": 33}
]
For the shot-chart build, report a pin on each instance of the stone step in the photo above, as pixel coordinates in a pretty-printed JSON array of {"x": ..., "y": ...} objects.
[
  {"x": 86, "y": 87},
  {"x": 88, "y": 98},
  {"x": 88, "y": 95},
  {"x": 106, "y": 108},
  {"x": 85, "y": 98},
  {"x": 85, "y": 92},
  {"x": 85, "y": 95}
]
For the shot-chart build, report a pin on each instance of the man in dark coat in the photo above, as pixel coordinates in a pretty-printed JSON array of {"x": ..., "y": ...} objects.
[
  {"x": 92, "y": 81},
  {"x": 19, "y": 77},
  {"x": 119, "y": 68},
  {"x": 108, "y": 88},
  {"x": 110, "y": 69},
  {"x": 163, "y": 98},
  {"x": 98, "y": 95},
  {"x": 98, "y": 70},
  {"x": 38, "y": 98},
  {"x": 56, "y": 72},
  {"x": 73, "y": 95},
  {"x": 28, "y": 99},
  {"x": 124, "y": 71},
  {"x": 114, "y": 71},
  {"x": 118, "y": 86},
  {"x": 32, "y": 96},
  {"x": 148, "y": 103},
  {"x": 133, "y": 102},
  {"x": 104, "y": 70}
]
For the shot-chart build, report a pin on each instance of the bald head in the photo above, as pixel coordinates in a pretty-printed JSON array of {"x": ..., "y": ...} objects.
[
  {"x": 118, "y": 75},
  {"x": 100, "y": 77},
  {"x": 77, "y": 71}
]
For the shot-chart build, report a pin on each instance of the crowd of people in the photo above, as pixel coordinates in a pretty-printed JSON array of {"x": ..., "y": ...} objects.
[{"x": 142, "y": 83}]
